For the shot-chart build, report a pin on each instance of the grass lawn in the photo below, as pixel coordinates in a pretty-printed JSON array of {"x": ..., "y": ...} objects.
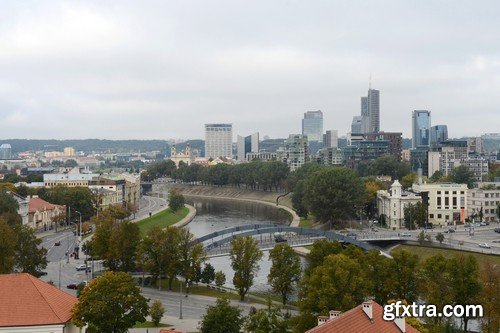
[
  {"x": 306, "y": 223},
  {"x": 426, "y": 252},
  {"x": 149, "y": 324},
  {"x": 162, "y": 219}
]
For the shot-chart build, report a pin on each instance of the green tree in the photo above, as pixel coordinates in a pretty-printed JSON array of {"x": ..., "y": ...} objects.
[
  {"x": 71, "y": 163},
  {"x": 175, "y": 200},
  {"x": 440, "y": 237},
  {"x": 298, "y": 199},
  {"x": 489, "y": 298},
  {"x": 320, "y": 250},
  {"x": 269, "y": 320},
  {"x": 245, "y": 255},
  {"x": 191, "y": 256},
  {"x": 29, "y": 256},
  {"x": 437, "y": 176},
  {"x": 221, "y": 318},
  {"x": 123, "y": 243},
  {"x": 285, "y": 270},
  {"x": 408, "y": 180},
  {"x": 464, "y": 281},
  {"x": 379, "y": 266},
  {"x": 8, "y": 241},
  {"x": 334, "y": 194},
  {"x": 372, "y": 185},
  {"x": 404, "y": 285},
  {"x": 462, "y": 175},
  {"x": 8, "y": 208},
  {"x": 110, "y": 303},
  {"x": 220, "y": 278},
  {"x": 415, "y": 215},
  {"x": 156, "y": 311},
  {"x": 208, "y": 274}
]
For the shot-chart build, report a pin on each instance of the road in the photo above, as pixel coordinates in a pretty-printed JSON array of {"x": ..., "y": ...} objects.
[{"x": 149, "y": 204}]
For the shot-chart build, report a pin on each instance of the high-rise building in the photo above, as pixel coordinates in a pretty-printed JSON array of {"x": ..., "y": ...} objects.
[
  {"x": 218, "y": 140},
  {"x": 439, "y": 133},
  {"x": 247, "y": 144},
  {"x": 373, "y": 101},
  {"x": 295, "y": 152},
  {"x": 357, "y": 125},
  {"x": 365, "y": 116},
  {"x": 394, "y": 138},
  {"x": 5, "y": 151},
  {"x": 331, "y": 139},
  {"x": 312, "y": 125},
  {"x": 421, "y": 124}
]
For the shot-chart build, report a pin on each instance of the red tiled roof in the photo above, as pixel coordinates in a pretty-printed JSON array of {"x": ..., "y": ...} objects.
[
  {"x": 170, "y": 331},
  {"x": 37, "y": 204},
  {"x": 27, "y": 301},
  {"x": 355, "y": 321}
]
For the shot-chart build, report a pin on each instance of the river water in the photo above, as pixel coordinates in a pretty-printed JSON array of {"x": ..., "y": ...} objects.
[{"x": 216, "y": 214}]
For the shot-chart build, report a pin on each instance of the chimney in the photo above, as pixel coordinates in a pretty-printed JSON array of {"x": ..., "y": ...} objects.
[
  {"x": 335, "y": 314},
  {"x": 322, "y": 320},
  {"x": 368, "y": 309},
  {"x": 401, "y": 324}
]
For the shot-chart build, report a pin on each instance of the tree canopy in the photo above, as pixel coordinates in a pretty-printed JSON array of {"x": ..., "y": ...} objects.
[{"x": 245, "y": 255}]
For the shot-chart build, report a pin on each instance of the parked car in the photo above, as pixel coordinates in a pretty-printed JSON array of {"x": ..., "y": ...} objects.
[
  {"x": 497, "y": 230},
  {"x": 484, "y": 246},
  {"x": 405, "y": 234},
  {"x": 57, "y": 243},
  {"x": 484, "y": 223},
  {"x": 81, "y": 267},
  {"x": 72, "y": 286},
  {"x": 449, "y": 231},
  {"x": 496, "y": 241}
]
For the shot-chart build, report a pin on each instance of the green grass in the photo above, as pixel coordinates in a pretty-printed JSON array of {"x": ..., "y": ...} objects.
[
  {"x": 162, "y": 219},
  {"x": 306, "y": 223},
  {"x": 425, "y": 252},
  {"x": 149, "y": 324}
]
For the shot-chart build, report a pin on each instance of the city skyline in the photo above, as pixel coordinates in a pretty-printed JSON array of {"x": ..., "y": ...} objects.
[{"x": 156, "y": 70}]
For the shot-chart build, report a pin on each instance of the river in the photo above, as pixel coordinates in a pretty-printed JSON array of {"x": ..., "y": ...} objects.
[{"x": 216, "y": 214}]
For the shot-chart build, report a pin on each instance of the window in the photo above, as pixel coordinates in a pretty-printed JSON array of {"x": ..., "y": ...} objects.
[
  {"x": 447, "y": 201},
  {"x": 447, "y": 217},
  {"x": 446, "y": 192},
  {"x": 454, "y": 201},
  {"x": 439, "y": 201},
  {"x": 462, "y": 192},
  {"x": 431, "y": 216},
  {"x": 440, "y": 216},
  {"x": 486, "y": 195},
  {"x": 438, "y": 192},
  {"x": 454, "y": 192}
]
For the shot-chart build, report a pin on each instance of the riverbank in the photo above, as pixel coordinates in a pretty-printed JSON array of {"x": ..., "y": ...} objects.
[
  {"x": 262, "y": 197},
  {"x": 167, "y": 218}
]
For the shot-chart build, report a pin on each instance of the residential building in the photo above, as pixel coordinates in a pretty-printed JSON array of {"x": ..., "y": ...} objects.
[
  {"x": 391, "y": 204},
  {"x": 69, "y": 151},
  {"x": 331, "y": 139},
  {"x": 365, "y": 150},
  {"x": 218, "y": 140},
  {"x": 478, "y": 165},
  {"x": 295, "y": 151},
  {"x": 357, "y": 125},
  {"x": 433, "y": 162},
  {"x": 421, "y": 124},
  {"x": 330, "y": 156},
  {"x": 110, "y": 189},
  {"x": 28, "y": 304},
  {"x": 447, "y": 201},
  {"x": 41, "y": 213},
  {"x": 132, "y": 189},
  {"x": 312, "y": 125},
  {"x": 261, "y": 155},
  {"x": 23, "y": 207},
  {"x": 373, "y": 100},
  {"x": 367, "y": 317},
  {"x": 487, "y": 199},
  {"x": 395, "y": 141},
  {"x": 5, "y": 151},
  {"x": 185, "y": 156},
  {"x": 247, "y": 144},
  {"x": 475, "y": 145},
  {"x": 438, "y": 133}
]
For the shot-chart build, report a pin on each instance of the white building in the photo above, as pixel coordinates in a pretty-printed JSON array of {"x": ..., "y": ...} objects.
[
  {"x": 392, "y": 203},
  {"x": 486, "y": 198},
  {"x": 295, "y": 152},
  {"x": 185, "y": 156},
  {"x": 75, "y": 177},
  {"x": 447, "y": 201},
  {"x": 218, "y": 140},
  {"x": 246, "y": 145}
]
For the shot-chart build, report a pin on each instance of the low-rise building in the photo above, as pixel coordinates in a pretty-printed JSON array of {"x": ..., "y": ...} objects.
[
  {"x": 485, "y": 199},
  {"x": 74, "y": 178},
  {"x": 23, "y": 207},
  {"x": 42, "y": 213},
  {"x": 447, "y": 201},
  {"x": 391, "y": 204}
]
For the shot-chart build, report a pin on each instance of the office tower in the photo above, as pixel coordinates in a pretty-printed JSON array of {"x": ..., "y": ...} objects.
[
  {"x": 394, "y": 138},
  {"x": 247, "y": 144},
  {"x": 295, "y": 151},
  {"x": 5, "y": 151},
  {"x": 330, "y": 139},
  {"x": 312, "y": 125},
  {"x": 365, "y": 116},
  {"x": 218, "y": 140},
  {"x": 373, "y": 101},
  {"x": 357, "y": 125},
  {"x": 439, "y": 133},
  {"x": 421, "y": 124}
]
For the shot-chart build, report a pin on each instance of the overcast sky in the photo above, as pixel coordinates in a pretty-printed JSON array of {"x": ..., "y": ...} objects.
[{"x": 162, "y": 69}]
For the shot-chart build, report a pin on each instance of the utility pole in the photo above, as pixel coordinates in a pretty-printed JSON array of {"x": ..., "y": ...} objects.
[{"x": 180, "y": 304}]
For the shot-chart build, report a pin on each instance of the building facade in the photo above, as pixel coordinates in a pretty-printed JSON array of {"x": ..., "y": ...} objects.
[
  {"x": 247, "y": 144},
  {"x": 447, "y": 202},
  {"x": 391, "y": 204},
  {"x": 295, "y": 151},
  {"x": 218, "y": 140},
  {"x": 373, "y": 100},
  {"x": 5, "y": 151},
  {"x": 262, "y": 156},
  {"x": 185, "y": 156},
  {"x": 486, "y": 199},
  {"x": 330, "y": 156},
  {"x": 312, "y": 125},
  {"x": 73, "y": 178},
  {"x": 395, "y": 141},
  {"x": 331, "y": 139},
  {"x": 421, "y": 124},
  {"x": 42, "y": 214},
  {"x": 439, "y": 133}
]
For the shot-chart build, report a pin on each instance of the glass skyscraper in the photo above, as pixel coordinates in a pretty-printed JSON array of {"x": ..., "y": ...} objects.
[
  {"x": 439, "y": 133},
  {"x": 312, "y": 125},
  {"x": 421, "y": 125}
]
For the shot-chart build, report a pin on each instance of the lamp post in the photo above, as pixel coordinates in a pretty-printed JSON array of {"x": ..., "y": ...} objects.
[{"x": 80, "y": 229}]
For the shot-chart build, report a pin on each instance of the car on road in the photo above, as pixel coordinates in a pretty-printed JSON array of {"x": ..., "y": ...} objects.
[
  {"x": 57, "y": 243},
  {"x": 496, "y": 241},
  {"x": 484, "y": 224},
  {"x": 449, "y": 231},
  {"x": 81, "y": 267},
  {"x": 405, "y": 234},
  {"x": 497, "y": 230},
  {"x": 72, "y": 286},
  {"x": 351, "y": 234},
  {"x": 484, "y": 246}
]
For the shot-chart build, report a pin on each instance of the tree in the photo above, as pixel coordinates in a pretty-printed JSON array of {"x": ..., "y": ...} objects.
[
  {"x": 372, "y": 185},
  {"x": 440, "y": 237},
  {"x": 110, "y": 303},
  {"x": 29, "y": 256},
  {"x": 221, "y": 318},
  {"x": 220, "y": 278},
  {"x": 379, "y": 266},
  {"x": 8, "y": 241},
  {"x": 175, "y": 200},
  {"x": 408, "y": 180},
  {"x": 269, "y": 320},
  {"x": 462, "y": 175},
  {"x": 245, "y": 255},
  {"x": 71, "y": 163},
  {"x": 490, "y": 278},
  {"x": 334, "y": 194},
  {"x": 298, "y": 199},
  {"x": 123, "y": 243},
  {"x": 415, "y": 215},
  {"x": 8, "y": 208},
  {"x": 156, "y": 312},
  {"x": 437, "y": 176},
  {"x": 190, "y": 256},
  {"x": 208, "y": 274},
  {"x": 404, "y": 284},
  {"x": 320, "y": 250},
  {"x": 285, "y": 270}
]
